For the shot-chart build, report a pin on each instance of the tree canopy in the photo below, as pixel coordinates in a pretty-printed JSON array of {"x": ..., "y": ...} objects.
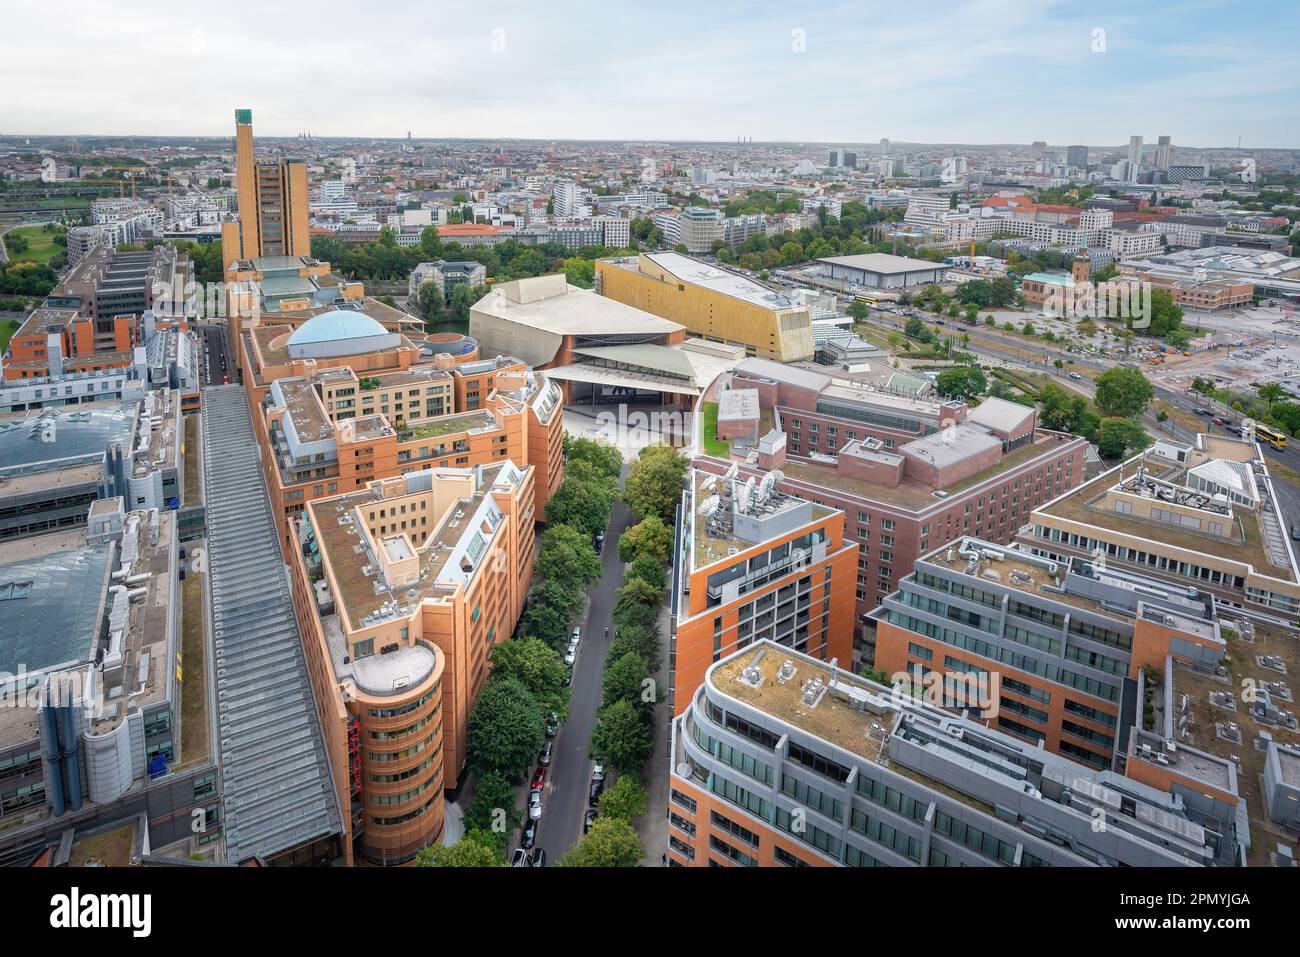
[
  {"x": 611, "y": 842},
  {"x": 622, "y": 736},
  {"x": 506, "y": 728},
  {"x": 1123, "y": 392},
  {"x": 624, "y": 800},
  {"x": 538, "y": 667},
  {"x": 650, "y": 536},
  {"x": 654, "y": 483}
]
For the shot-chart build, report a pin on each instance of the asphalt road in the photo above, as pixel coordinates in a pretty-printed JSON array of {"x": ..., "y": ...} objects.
[
  {"x": 215, "y": 351},
  {"x": 564, "y": 799}
]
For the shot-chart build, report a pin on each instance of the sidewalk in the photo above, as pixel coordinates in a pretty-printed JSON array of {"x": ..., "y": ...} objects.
[{"x": 653, "y": 826}]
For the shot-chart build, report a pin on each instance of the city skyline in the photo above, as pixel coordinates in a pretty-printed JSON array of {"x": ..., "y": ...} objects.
[{"x": 780, "y": 76}]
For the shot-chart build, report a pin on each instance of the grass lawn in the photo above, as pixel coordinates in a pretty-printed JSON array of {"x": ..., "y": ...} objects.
[
  {"x": 7, "y": 328},
  {"x": 194, "y": 696},
  {"x": 712, "y": 444},
  {"x": 41, "y": 247}
]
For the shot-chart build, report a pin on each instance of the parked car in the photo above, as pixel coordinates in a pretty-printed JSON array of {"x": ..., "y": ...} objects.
[
  {"x": 535, "y": 804},
  {"x": 598, "y": 542},
  {"x": 598, "y": 772},
  {"x": 552, "y": 726},
  {"x": 539, "y": 777},
  {"x": 530, "y": 833},
  {"x": 544, "y": 757},
  {"x": 589, "y": 819},
  {"x": 539, "y": 858},
  {"x": 576, "y": 636},
  {"x": 594, "y": 792},
  {"x": 571, "y": 655},
  {"x": 520, "y": 858}
]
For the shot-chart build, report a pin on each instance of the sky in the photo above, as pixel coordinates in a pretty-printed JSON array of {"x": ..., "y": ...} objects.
[{"x": 988, "y": 71}]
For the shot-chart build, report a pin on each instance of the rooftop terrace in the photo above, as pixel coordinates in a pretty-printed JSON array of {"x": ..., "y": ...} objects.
[
  {"x": 347, "y": 544},
  {"x": 1247, "y": 544}
]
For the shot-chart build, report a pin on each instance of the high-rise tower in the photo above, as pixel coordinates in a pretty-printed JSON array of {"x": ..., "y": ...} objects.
[{"x": 272, "y": 195}]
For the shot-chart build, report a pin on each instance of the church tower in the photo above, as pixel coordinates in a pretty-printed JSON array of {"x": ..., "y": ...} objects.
[{"x": 1081, "y": 265}]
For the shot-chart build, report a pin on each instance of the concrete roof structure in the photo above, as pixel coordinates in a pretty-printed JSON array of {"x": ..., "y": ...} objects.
[
  {"x": 1000, "y": 414},
  {"x": 780, "y": 372},
  {"x": 883, "y": 263},
  {"x": 950, "y": 446},
  {"x": 530, "y": 318},
  {"x": 722, "y": 281}
]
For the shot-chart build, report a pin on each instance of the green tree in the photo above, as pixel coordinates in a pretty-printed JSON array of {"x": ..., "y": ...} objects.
[
  {"x": 464, "y": 853},
  {"x": 650, "y": 536},
  {"x": 538, "y": 667},
  {"x": 966, "y": 381},
  {"x": 558, "y": 593},
  {"x": 505, "y": 730},
  {"x": 492, "y": 811},
  {"x": 591, "y": 474},
  {"x": 1165, "y": 315},
  {"x": 637, "y": 603},
  {"x": 567, "y": 554},
  {"x": 1116, "y": 436},
  {"x": 625, "y": 680},
  {"x": 603, "y": 456},
  {"x": 1123, "y": 392},
  {"x": 611, "y": 842},
  {"x": 583, "y": 505},
  {"x": 650, "y": 571},
  {"x": 654, "y": 483},
  {"x": 547, "y": 623},
  {"x": 859, "y": 310},
  {"x": 1271, "y": 392},
  {"x": 638, "y": 639},
  {"x": 1063, "y": 411},
  {"x": 622, "y": 736},
  {"x": 624, "y": 800}
]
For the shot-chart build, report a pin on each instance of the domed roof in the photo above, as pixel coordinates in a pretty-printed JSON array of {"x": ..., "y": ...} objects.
[{"x": 335, "y": 326}]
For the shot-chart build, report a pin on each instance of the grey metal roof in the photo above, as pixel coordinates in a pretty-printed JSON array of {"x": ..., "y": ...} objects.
[
  {"x": 51, "y": 606},
  {"x": 276, "y": 781}
]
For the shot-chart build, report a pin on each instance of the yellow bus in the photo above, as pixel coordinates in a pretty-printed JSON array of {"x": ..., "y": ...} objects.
[
  {"x": 1272, "y": 436},
  {"x": 869, "y": 300}
]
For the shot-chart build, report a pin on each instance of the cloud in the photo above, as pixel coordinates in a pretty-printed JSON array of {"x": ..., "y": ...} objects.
[{"x": 924, "y": 71}]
